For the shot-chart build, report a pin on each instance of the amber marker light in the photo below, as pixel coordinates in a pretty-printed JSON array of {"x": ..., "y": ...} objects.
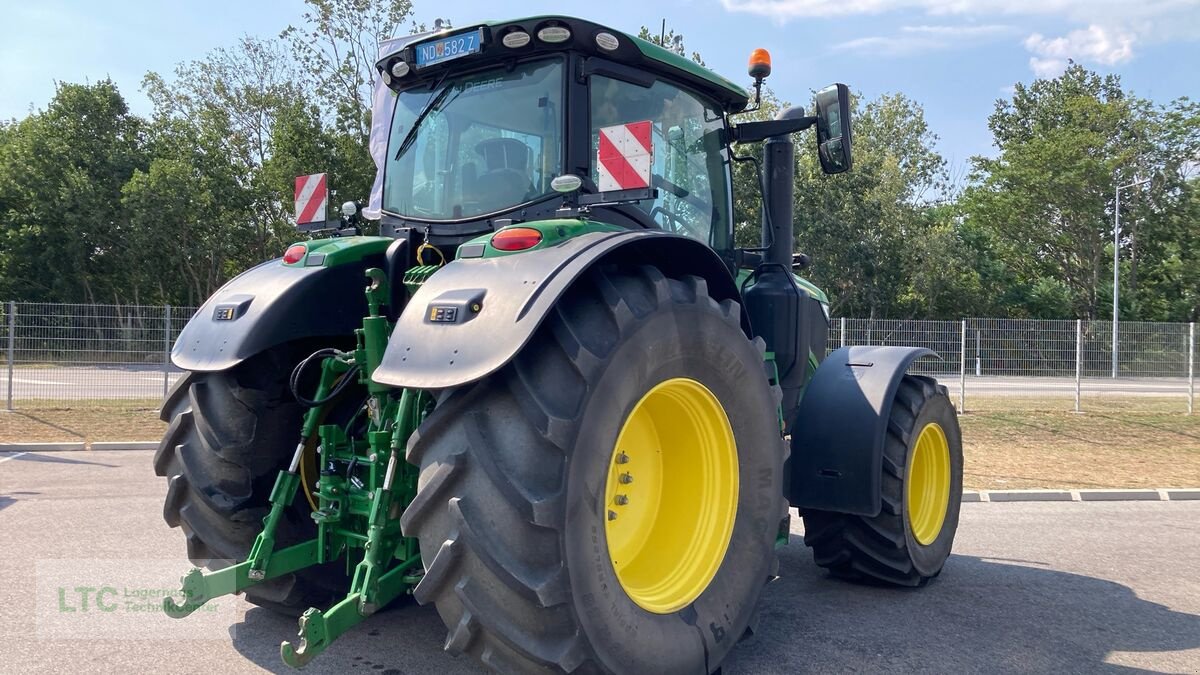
[{"x": 760, "y": 63}]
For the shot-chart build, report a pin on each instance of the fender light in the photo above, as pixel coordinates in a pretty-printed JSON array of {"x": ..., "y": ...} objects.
[
  {"x": 516, "y": 239},
  {"x": 294, "y": 254}
]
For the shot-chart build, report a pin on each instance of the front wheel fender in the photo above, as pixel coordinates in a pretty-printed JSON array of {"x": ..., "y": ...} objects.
[{"x": 839, "y": 431}]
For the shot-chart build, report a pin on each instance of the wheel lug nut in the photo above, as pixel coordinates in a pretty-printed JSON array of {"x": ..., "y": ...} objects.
[
  {"x": 626, "y": 478},
  {"x": 622, "y": 500},
  {"x": 622, "y": 458},
  {"x": 612, "y": 515}
]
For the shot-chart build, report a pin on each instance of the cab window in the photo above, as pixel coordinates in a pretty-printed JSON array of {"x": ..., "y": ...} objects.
[
  {"x": 476, "y": 144},
  {"x": 689, "y": 164}
]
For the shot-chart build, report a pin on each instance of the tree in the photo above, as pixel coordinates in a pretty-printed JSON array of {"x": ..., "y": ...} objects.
[
  {"x": 670, "y": 40},
  {"x": 865, "y": 228},
  {"x": 338, "y": 45},
  {"x": 188, "y": 214},
  {"x": 233, "y": 97},
  {"x": 62, "y": 230},
  {"x": 1048, "y": 197}
]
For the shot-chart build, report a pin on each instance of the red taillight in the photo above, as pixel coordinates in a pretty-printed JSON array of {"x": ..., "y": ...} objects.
[
  {"x": 516, "y": 239},
  {"x": 295, "y": 253}
]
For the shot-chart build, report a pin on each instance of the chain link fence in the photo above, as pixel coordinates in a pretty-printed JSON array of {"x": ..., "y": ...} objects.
[
  {"x": 57, "y": 352},
  {"x": 61, "y": 352},
  {"x": 1044, "y": 364}
]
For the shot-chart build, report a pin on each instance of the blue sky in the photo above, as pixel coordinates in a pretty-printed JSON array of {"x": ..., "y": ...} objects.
[{"x": 954, "y": 57}]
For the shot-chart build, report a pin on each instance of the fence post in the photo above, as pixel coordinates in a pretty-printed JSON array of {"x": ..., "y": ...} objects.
[
  {"x": 166, "y": 349},
  {"x": 1191, "y": 367},
  {"x": 978, "y": 354},
  {"x": 843, "y": 332},
  {"x": 12, "y": 344},
  {"x": 1079, "y": 357},
  {"x": 962, "y": 370}
]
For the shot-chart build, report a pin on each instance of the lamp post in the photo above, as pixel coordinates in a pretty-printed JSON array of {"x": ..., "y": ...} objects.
[{"x": 1117, "y": 268}]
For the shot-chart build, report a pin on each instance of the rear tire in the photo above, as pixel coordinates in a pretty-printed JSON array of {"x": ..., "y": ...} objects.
[
  {"x": 230, "y": 434},
  {"x": 511, "y": 511},
  {"x": 884, "y": 548}
]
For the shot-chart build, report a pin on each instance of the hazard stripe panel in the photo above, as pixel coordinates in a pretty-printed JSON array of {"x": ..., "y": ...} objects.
[
  {"x": 624, "y": 156},
  {"x": 312, "y": 198}
]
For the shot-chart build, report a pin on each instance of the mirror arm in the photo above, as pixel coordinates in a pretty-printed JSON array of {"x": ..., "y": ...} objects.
[{"x": 753, "y": 132}]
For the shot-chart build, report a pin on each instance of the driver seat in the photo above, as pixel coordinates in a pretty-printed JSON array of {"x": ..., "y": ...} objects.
[{"x": 505, "y": 178}]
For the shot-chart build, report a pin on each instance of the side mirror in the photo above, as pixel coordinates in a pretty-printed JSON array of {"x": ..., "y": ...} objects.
[{"x": 833, "y": 128}]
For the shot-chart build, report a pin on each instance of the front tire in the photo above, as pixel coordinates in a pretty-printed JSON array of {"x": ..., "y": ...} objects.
[
  {"x": 513, "y": 504},
  {"x": 908, "y": 542}
]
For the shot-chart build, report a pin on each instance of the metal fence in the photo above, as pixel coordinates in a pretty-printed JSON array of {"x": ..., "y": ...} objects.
[
  {"x": 1044, "y": 364},
  {"x": 87, "y": 352},
  {"x": 74, "y": 352}
]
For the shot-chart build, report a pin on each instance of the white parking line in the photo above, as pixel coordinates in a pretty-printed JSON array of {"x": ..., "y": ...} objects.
[{"x": 14, "y": 456}]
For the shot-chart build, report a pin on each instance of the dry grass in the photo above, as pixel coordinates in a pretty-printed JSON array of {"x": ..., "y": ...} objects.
[
  {"x": 84, "y": 420},
  {"x": 1118, "y": 442}
]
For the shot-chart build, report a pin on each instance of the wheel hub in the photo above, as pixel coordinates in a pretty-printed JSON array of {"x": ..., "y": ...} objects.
[
  {"x": 927, "y": 487},
  {"x": 670, "y": 497}
]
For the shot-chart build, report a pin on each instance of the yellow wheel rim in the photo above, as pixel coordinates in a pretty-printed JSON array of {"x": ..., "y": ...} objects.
[
  {"x": 671, "y": 495},
  {"x": 927, "y": 488}
]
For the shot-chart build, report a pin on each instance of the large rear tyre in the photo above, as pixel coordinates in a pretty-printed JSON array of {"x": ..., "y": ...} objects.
[
  {"x": 587, "y": 509},
  {"x": 230, "y": 434},
  {"x": 909, "y": 541}
]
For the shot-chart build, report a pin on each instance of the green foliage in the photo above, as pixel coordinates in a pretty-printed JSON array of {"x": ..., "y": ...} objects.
[
  {"x": 62, "y": 228},
  {"x": 99, "y": 205},
  {"x": 1048, "y": 197},
  {"x": 867, "y": 229},
  {"x": 669, "y": 39},
  {"x": 337, "y": 46}
]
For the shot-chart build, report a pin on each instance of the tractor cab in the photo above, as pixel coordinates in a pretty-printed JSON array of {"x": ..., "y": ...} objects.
[{"x": 486, "y": 118}]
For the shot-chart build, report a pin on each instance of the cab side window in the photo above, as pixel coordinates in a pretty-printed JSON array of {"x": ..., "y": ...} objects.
[{"x": 689, "y": 165}]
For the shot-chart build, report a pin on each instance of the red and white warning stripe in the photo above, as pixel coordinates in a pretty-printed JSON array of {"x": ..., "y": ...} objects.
[
  {"x": 312, "y": 198},
  {"x": 624, "y": 156}
]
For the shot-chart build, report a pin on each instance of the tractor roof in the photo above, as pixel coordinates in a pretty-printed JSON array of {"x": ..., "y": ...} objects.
[{"x": 631, "y": 51}]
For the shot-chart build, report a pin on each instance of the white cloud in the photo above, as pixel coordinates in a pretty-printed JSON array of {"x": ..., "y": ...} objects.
[
  {"x": 1095, "y": 43},
  {"x": 1113, "y": 27},
  {"x": 1047, "y": 68},
  {"x": 960, "y": 31},
  {"x": 1079, "y": 10},
  {"x": 915, "y": 39}
]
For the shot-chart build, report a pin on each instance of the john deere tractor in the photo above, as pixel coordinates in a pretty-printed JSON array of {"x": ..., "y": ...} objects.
[{"x": 553, "y": 399}]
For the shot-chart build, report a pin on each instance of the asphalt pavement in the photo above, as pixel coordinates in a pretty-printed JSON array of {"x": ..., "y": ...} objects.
[
  {"x": 125, "y": 381},
  {"x": 1032, "y": 587}
]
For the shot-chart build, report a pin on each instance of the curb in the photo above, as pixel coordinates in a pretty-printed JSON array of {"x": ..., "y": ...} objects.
[
  {"x": 78, "y": 446},
  {"x": 123, "y": 445},
  {"x": 1126, "y": 495},
  {"x": 42, "y": 447}
]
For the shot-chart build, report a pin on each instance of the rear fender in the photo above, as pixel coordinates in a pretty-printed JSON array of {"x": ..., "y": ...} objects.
[
  {"x": 273, "y": 303},
  {"x": 839, "y": 431},
  {"x": 474, "y": 315}
]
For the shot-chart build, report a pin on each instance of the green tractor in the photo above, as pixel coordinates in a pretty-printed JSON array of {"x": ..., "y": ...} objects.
[{"x": 566, "y": 410}]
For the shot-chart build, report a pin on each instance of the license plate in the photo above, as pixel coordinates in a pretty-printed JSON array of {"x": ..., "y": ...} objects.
[{"x": 449, "y": 48}]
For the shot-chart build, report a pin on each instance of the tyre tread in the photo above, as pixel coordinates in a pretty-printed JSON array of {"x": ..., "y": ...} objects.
[
  {"x": 490, "y": 599},
  {"x": 873, "y": 548}
]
